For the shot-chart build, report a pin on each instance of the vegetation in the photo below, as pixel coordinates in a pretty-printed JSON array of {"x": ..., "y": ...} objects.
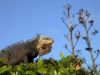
[
  {"x": 85, "y": 21},
  {"x": 66, "y": 66},
  {"x": 69, "y": 65}
]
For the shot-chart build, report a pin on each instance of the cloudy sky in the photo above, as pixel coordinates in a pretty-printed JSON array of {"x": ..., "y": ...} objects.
[{"x": 23, "y": 19}]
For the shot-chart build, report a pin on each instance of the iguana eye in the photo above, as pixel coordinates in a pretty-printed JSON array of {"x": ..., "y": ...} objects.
[{"x": 44, "y": 46}]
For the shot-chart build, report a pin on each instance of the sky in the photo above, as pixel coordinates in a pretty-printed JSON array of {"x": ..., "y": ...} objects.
[{"x": 23, "y": 19}]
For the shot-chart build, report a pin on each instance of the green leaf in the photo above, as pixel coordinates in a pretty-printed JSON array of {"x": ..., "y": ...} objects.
[
  {"x": 39, "y": 63},
  {"x": 3, "y": 69},
  {"x": 19, "y": 68},
  {"x": 53, "y": 72},
  {"x": 62, "y": 71},
  {"x": 42, "y": 70},
  {"x": 30, "y": 73},
  {"x": 61, "y": 55}
]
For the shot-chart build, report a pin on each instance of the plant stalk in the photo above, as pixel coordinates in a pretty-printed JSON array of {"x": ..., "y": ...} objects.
[
  {"x": 72, "y": 44},
  {"x": 90, "y": 51}
]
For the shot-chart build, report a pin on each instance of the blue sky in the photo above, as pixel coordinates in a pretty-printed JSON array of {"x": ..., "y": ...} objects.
[{"x": 23, "y": 19}]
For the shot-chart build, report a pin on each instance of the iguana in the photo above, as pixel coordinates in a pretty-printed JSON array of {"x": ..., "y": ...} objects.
[{"x": 25, "y": 52}]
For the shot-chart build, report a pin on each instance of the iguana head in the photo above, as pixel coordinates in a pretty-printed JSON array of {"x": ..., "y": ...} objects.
[{"x": 44, "y": 45}]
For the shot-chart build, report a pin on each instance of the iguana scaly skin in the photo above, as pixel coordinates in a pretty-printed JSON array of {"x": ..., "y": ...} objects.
[{"x": 26, "y": 51}]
